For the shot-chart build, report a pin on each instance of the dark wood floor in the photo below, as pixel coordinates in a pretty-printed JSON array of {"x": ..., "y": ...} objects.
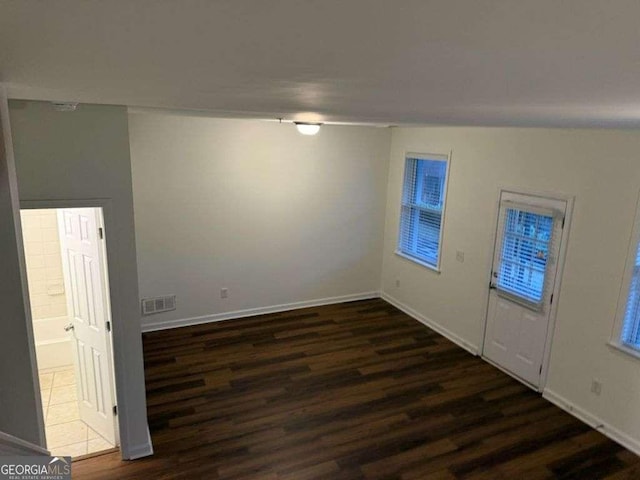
[{"x": 351, "y": 391}]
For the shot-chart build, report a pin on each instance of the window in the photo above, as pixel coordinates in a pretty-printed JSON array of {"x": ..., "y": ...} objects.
[
  {"x": 627, "y": 330},
  {"x": 630, "y": 335},
  {"x": 423, "y": 199}
]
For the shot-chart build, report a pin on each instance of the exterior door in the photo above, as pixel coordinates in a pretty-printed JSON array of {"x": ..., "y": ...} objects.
[
  {"x": 88, "y": 310},
  {"x": 522, "y": 282}
]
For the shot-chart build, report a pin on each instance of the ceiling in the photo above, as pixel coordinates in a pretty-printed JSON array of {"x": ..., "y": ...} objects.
[{"x": 474, "y": 62}]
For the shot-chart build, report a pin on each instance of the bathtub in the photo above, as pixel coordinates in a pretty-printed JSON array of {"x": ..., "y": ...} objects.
[{"x": 53, "y": 344}]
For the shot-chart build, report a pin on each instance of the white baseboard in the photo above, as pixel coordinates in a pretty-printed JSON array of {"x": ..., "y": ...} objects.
[
  {"x": 139, "y": 451},
  {"x": 219, "y": 317},
  {"x": 593, "y": 421},
  {"x": 10, "y": 445},
  {"x": 431, "y": 324}
]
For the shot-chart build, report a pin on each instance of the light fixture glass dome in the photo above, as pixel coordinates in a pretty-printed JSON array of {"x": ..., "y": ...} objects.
[{"x": 307, "y": 128}]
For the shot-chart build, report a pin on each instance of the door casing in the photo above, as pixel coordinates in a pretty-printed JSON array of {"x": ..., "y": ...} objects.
[{"x": 569, "y": 199}]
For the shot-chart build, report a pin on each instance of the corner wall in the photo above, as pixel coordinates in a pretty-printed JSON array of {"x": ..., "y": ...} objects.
[
  {"x": 84, "y": 155},
  {"x": 278, "y": 218},
  {"x": 602, "y": 169},
  {"x": 21, "y": 423}
]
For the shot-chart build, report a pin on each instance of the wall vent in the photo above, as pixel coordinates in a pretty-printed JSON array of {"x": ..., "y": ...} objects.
[{"x": 158, "y": 304}]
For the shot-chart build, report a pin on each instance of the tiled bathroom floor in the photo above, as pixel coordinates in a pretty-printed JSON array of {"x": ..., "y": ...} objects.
[{"x": 67, "y": 435}]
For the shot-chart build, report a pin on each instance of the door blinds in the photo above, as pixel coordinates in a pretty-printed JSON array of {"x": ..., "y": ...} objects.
[{"x": 526, "y": 249}]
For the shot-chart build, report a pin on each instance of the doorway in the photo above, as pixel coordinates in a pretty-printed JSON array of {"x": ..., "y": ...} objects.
[
  {"x": 525, "y": 277},
  {"x": 67, "y": 274}
]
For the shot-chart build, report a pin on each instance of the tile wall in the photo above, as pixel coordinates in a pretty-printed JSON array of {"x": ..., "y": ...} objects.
[{"x": 44, "y": 264}]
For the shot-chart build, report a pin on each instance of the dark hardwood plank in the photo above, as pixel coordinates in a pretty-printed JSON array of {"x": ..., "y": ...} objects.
[{"x": 351, "y": 391}]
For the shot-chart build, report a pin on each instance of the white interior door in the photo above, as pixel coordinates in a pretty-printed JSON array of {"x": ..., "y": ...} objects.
[
  {"x": 522, "y": 282},
  {"x": 87, "y": 301}
]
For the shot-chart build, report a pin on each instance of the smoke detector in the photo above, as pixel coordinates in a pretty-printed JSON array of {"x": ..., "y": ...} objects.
[{"x": 64, "y": 106}]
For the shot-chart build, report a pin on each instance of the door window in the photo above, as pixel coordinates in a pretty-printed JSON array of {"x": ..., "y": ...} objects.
[{"x": 524, "y": 255}]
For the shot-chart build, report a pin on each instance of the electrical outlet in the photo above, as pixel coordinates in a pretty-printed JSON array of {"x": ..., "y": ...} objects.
[
  {"x": 397, "y": 283},
  {"x": 596, "y": 387},
  {"x": 460, "y": 256},
  {"x": 224, "y": 292}
]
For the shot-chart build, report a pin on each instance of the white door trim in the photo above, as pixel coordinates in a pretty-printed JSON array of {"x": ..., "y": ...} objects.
[
  {"x": 564, "y": 241},
  {"x": 118, "y": 360}
]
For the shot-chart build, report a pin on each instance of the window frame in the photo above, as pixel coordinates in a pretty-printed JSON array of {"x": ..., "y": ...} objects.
[
  {"x": 623, "y": 296},
  {"x": 441, "y": 157}
]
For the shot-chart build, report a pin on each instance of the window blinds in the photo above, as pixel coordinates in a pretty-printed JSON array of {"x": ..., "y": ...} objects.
[
  {"x": 527, "y": 245},
  {"x": 422, "y": 207},
  {"x": 631, "y": 324}
]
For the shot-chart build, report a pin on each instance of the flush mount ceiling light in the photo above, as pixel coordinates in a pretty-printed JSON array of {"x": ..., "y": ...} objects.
[{"x": 308, "y": 128}]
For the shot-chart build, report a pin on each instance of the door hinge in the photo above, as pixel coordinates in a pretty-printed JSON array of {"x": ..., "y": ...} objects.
[
  {"x": 540, "y": 372},
  {"x": 551, "y": 302},
  {"x": 101, "y": 233},
  {"x": 108, "y": 326},
  {"x": 115, "y": 410},
  {"x": 563, "y": 222}
]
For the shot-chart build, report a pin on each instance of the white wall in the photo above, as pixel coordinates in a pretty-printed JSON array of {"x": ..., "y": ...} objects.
[
  {"x": 253, "y": 206},
  {"x": 70, "y": 156},
  {"x": 602, "y": 169}
]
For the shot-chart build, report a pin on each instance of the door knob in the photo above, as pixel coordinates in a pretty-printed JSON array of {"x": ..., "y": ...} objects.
[{"x": 69, "y": 327}]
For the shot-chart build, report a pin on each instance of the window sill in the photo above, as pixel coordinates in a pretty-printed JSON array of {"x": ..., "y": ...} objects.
[
  {"x": 418, "y": 261},
  {"x": 624, "y": 349}
]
